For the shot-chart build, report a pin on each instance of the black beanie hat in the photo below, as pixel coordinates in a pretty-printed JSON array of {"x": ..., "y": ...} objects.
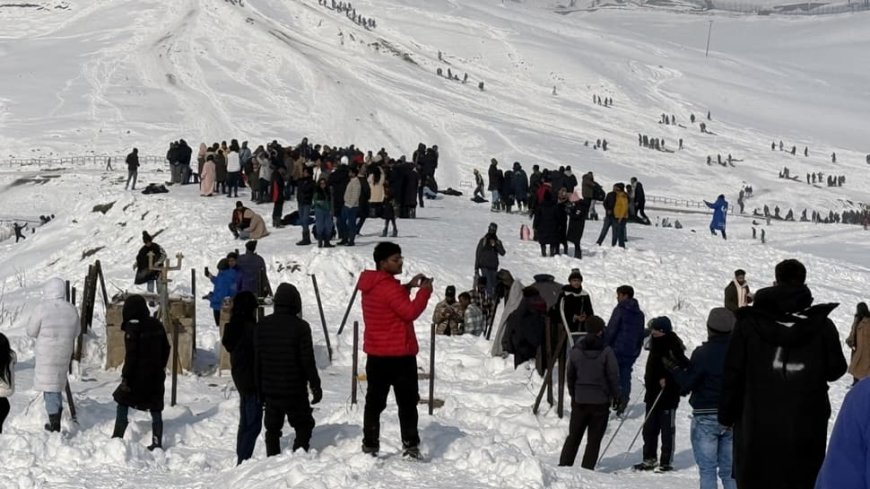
[
  {"x": 146, "y": 238},
  {"x": 575, "y": 273},
  {"x": 384, "y": 250}
]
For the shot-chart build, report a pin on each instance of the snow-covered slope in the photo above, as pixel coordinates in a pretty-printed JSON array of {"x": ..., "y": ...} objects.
[{"x": 105, "y": 75}]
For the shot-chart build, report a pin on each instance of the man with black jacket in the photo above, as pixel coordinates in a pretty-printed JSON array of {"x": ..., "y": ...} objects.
[
  {"x": 712, "y": 443},
  {"x": 593, "y": 384},
  {"x": 574, "y": 305},
  {"x": 132, "y": 169},
  {"x": 495, "y": 181},
  {"x": 238, "y": 339},
  {"x": 285, "y": 369},
  {"x": 662, "y": 395},
  {"x": 183, "y": 153},
  {"x": 304, "y": 197},
  {"x": 783, "y": 353},
  {"x": 489, "y": 248}
]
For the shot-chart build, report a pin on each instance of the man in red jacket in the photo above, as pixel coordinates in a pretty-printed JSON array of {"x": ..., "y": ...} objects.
[{"x": 391, "y": 345}]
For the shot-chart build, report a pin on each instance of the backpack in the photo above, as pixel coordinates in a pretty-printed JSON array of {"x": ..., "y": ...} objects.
[{"x": 597, "y": 192}]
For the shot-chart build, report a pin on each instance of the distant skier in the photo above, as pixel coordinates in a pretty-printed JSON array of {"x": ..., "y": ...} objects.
[{"x": 720, "y": 209}]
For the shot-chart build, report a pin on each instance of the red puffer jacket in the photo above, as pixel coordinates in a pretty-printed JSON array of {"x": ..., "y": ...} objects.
[{"x": 389, "y": 314}]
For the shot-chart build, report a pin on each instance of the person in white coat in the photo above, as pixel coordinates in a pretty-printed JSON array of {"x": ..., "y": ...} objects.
[
  {"x": 55, "y": 325},
  {"x": 514, "y": 296}
]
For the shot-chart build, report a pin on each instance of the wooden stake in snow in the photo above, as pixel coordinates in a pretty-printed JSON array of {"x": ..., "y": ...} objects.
[{"x": 163, "y": 288}]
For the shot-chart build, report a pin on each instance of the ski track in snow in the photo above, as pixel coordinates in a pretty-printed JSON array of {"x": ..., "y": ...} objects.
[{"x": 209, "y": 70}]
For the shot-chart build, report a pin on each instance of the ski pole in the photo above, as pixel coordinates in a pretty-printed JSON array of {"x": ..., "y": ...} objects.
[
  {"x": 645, "y": 419},
  {"x": 618, "y": 427}
]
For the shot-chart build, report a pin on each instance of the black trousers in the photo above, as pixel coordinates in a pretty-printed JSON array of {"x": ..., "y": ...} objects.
[
  {"x": 400, "y": 373},
  {"x": 660, "y": 422},
  {"x": 4, "y": 411},
  {"x": 298, "y": 414},
  {"x": 591, "y": 417}
]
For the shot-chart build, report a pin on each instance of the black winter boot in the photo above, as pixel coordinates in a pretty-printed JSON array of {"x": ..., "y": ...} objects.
[
  {"x": 53, "y": 424},
  {"x": 120, "y": 429},
  {"x": 156, "y": 436}
]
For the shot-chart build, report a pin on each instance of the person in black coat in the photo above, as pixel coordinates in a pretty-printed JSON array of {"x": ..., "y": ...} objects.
[
  {"x": 639, "y": 200},
  {"x": 662, "y": 394},
  {"x": 305, "y": 187},
  {"x": 783, "y": 353},
  {"x": 238, "y": 339},
  {"x": 576, "y": 225},
  {"x": 524, "y": 329},
  {"x": 144, "y": 275},
  {"x": 548, "y": 222},
  {"x": 574, "y": 304},
  {"x": 147, "y": 351},
  {"x": 489, "y": 248},
  {"x": 495, "y": 183},
  {"x": 285, "y": 369}
]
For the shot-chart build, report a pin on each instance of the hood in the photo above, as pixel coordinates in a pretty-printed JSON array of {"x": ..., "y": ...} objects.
[
  {"x": 591, "y": 345},
  {"x": 783, "y": 315},
  {"x": 568, "y": 290},
  {"x": 55, "y": 288},
  {"x": 369, "y": 279},
  {"x": 629, "y": 305},
  {"x": 288, "y": 297},
  {"x": 135, "y": 308}
]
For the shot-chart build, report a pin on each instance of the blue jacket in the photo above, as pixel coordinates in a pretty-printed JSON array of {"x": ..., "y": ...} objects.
[
  {"x": 226, "y": 284},
  {"x": 624, "y": 333},
  {"x": 847, "y": 465},
  {"x": 703, "y": 377},
  {"x": 250, "y": 267},
  {"x": 719, "y": 209}
]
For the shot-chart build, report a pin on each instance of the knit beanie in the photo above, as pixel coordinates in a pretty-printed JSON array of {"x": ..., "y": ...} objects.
[
  {"x": 575, "y": 274},
  {"x": 720, "y": 321},
  {"x": 661, "y": 323},
  {"x": 146, "y": 238}
]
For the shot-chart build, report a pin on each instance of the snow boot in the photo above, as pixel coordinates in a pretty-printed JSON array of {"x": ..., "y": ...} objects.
[
  {"x": 53, "y": 424},
  {"x": 664, "y": 468},
  {"x": 384, "y": 233},
  {"x": 304, "y": 242},
  {"x": 373, "y": 451},
  {"x": 120, "y": 429},
  {"x": 649, "y": 464},
  {"x": 411, "y": 451},
  {"x": 320, "y": 243},
  {"x": 327, "y": 244},
  {"x": 156, "y": 436}
]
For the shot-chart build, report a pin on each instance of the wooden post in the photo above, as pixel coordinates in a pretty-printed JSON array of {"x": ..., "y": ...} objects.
[
  {"x": 548, "y": 379},
  {"x": 67, "y": 290},
  {"x": 432, "y": 371},
  {"x": 347, "y": 311},
  {"x": 562, "y": 352},
  {"x": 322, "y": 316},
  {"x": 163, "y": 288},
  {"x": 355, "y": 365},
  {"x": 560, "y": 345},
  {"x": 72, "y": 405},
  {"x": 99, "y": 268},
  {"x": 73, "y": 296},
  {"x": 193, "y": 319}
]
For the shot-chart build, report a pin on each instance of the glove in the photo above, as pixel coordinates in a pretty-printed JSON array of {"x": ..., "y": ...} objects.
[{"x": 316, "y": 395}]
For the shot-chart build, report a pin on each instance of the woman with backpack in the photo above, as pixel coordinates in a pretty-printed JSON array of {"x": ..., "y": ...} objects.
[{"x": 7, "y": 377}]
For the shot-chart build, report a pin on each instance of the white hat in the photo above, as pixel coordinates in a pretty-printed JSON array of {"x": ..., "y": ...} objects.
[{"x": 344, "y": 160}]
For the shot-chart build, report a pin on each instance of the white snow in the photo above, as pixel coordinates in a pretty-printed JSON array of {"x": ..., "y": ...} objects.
[{"x": 100, "y": 76}]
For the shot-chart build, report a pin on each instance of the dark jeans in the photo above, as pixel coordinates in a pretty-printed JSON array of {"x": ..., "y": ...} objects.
[
  {"x": 592, "y": 417},
  {"x": 304, "y": 219},
  {"x": 278, "y": 210},
  {"x": 233, "y": 183},
  {"x": 639, "y": 210},
  {"x": 605, "y": 227},
  {"x": 625, "y": 368},
  {"x": 490, "y": 274},
  {"x": 619, "y": 232},
  {"x": 400, "y": 373},
  {"x": 4, "y": 411},
  {"x": 250, "y": 424},
  {"x": 348, "y": 215},
  {"x": 298, "y": 414},
  {"x": 131, "y": 177},
  {"x": 265, "y": 192},
  {"x": 661, "y": 421}
]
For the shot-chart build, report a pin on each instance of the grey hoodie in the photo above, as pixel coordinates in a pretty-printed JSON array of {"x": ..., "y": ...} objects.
[{"x": 593, "y": 373}]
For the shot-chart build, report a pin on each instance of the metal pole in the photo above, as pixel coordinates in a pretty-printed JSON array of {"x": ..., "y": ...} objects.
[
  {"x": 193, "y": 319},
  {"x": 355, "y": 367},
  {"x": 653, "y": 408},
  {"x": 347, "y": 311},
  {"x": 552, "y": 365},
  {"x": 322, "y": 316},
  {"x": 432, "y": 371},
  {"x": 560, "y": 397},
  {"x": 548, "y": 338},
  {"x": 709, "y": 32}
]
